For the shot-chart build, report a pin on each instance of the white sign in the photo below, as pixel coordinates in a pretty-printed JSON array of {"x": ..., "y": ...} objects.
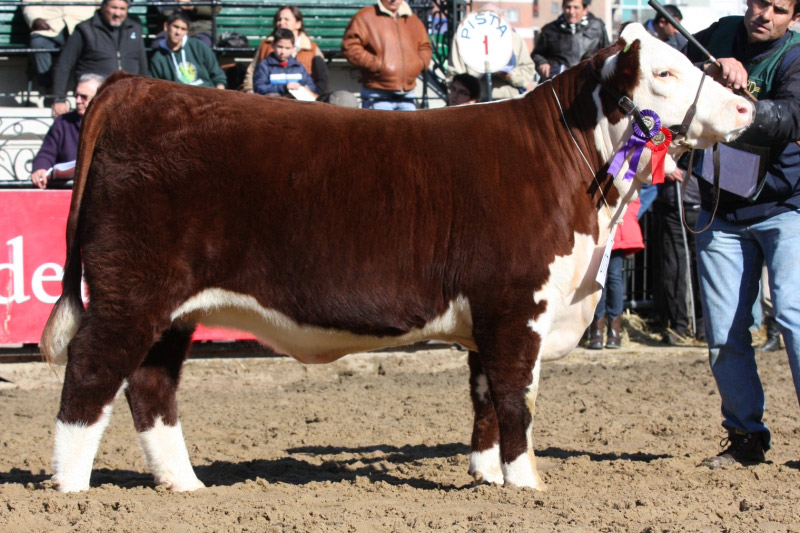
[{"x": 484, "y": 41}]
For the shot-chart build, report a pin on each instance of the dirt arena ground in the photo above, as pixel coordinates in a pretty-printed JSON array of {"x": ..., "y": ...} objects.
[{"x": 379, "y": 442}]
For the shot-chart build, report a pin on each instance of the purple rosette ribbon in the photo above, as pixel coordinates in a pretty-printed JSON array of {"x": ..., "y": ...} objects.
[{"x": 635, "y": 144}]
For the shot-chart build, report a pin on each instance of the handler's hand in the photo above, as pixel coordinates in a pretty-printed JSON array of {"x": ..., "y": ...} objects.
[{"x": 731, "y": 74}]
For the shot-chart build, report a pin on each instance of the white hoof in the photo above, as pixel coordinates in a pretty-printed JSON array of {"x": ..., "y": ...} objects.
[
  {"x": 521, "y": 472},
  {"x": 186, "y": 485},
  {"x": 166, "y": 456},
  {"x": 65, "y": 485},
  {"x": 484, "y": 466}
]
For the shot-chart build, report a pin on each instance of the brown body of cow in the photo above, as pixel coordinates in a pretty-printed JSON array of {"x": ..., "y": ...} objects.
[{"x": 326, "y": 231}]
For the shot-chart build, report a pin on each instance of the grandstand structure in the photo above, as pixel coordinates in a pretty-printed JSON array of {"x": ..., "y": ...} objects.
[{"x": 24, "y": 118}]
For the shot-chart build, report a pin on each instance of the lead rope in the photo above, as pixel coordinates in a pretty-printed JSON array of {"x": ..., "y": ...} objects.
[
  {"x": 716, "y": 190},
  {"x": 575, "y": 142},
  {"x": 600, "y": 278}
]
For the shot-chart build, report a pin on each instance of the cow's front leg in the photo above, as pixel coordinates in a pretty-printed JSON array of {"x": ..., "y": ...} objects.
[
  {"x": 151, "y": 394},
  {"x": 512, "y": 371},
  {"x": 484, "y": 461}
]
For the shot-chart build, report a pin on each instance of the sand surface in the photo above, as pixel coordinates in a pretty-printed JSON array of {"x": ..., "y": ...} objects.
[{"x": 380, "y": 442}]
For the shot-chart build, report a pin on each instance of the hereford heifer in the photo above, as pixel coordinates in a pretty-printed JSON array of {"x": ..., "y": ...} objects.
[{"x": 326, "y": 231}]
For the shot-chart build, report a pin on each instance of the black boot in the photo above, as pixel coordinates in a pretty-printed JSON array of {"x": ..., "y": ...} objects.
[
  {"x": 773, "y": 342},
  {"x": 596, "y": 333},
  {"x": 744, "y": 448},
  {"x": 614, "y": 338}
]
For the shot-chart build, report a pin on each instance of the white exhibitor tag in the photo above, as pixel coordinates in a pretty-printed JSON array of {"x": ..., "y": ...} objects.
[{"x": 601, "y": 272}]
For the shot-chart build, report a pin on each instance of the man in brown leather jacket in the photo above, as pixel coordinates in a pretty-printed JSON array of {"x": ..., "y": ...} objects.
[{"x": 390, "y": 45}]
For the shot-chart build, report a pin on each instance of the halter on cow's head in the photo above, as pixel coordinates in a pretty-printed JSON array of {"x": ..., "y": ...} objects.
[{"x": 649, "y": 77}]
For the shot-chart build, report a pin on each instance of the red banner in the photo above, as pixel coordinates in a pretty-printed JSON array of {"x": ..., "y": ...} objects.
[{"x": 32, "y": 236}]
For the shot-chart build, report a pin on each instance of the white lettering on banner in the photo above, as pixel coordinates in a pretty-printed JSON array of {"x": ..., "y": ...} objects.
[
  {"x": 46, "y": 272},
  {"x": 16, "y": 280},
  {"x": 39, "y": 277}
]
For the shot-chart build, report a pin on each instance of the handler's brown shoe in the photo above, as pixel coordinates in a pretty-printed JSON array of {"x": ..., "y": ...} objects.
[{"x": 744, "y": 448}]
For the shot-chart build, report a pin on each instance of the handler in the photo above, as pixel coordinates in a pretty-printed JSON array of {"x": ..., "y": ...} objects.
[{"x": 759, "y": 52}]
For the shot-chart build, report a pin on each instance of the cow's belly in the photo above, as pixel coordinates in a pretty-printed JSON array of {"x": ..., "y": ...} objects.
[
  {"x": 313, "y": 344},
  {"x": 572, "y": 295}
]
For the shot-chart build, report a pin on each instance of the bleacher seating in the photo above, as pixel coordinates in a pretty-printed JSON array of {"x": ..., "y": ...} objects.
[
  {"x": 324, "y": 20},
  {"x": 14, "y": 32}
]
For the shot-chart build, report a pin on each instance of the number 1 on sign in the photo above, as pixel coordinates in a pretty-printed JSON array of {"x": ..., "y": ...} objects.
[{"x": 486, "y": 44}]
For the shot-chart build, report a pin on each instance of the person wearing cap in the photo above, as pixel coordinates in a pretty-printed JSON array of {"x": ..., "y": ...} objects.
[
  {"x": 107, "y": 42},
  {"x": 662, "y": 29}
]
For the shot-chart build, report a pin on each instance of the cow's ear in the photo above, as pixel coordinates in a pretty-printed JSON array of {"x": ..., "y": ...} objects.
[{"x": 625, "y": 74}]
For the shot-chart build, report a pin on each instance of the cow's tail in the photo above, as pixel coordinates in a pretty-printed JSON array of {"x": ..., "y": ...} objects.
[{"x": 66, "y": 314}]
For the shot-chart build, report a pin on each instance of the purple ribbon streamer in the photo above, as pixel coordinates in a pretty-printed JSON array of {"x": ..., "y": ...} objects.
[{"x": 636, "y": 144}]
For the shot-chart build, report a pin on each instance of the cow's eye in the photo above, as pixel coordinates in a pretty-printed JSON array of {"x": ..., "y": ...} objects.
[{"x": 664, "y": 74}]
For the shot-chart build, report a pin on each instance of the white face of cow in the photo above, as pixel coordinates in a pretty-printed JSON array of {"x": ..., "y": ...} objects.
[{"x": 667, "y": 84}]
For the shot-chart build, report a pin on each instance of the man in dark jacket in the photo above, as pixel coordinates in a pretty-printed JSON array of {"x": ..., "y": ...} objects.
[
  {"x": 759, "y": 52},
  {"x": 568, "y": 40},
  {"x": 107, "y": 42},
  {"x": 60, "y": 145}
]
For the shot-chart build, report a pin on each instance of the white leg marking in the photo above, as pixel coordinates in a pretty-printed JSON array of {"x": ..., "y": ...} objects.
[
  {"x": 485, "y": 466},
  {"x": 167, "y": 458},
  {"x": 75, "y": 448},
  {"x": 521, "y": 472}
]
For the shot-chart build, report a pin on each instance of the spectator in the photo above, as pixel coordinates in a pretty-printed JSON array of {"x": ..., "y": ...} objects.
[
  {"x": 280, "y": 72},
  {"x": 185, "y": 59},
  {"x": 390, "y": 45},
  {"x": 199, "y": 18},
  {"x": 671, "y": 288},
  {"x": 107, "y": 42},
  {"x": 571, "y": 38},
  {"x": 756, "y": 51},
  {"x": 608, "y": 314},
  {"x": 60, "y": 145},
  {"x": 306, "y": 51},
  {"x": 661, "y": 29},
  {"x": 464, "y": 89},
  {"x": 514, "y": 79},
  {"x": 50, "y": 26}
]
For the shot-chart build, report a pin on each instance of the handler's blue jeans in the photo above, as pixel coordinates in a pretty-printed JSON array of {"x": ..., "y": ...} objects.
[{"x": 729, "y": 260}]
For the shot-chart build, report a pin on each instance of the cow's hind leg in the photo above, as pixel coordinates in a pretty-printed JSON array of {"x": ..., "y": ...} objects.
[
  {"x": 484, "y": 461},
  {"x": 509, "y": 357},
  {"x": 100, "y": 359},
  {"x": 151, "y": 394}
]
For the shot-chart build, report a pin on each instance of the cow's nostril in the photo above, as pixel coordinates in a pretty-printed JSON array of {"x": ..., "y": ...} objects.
[
  {"x": 744, "y": 109},
  {"x": 745, "y": 112}
]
